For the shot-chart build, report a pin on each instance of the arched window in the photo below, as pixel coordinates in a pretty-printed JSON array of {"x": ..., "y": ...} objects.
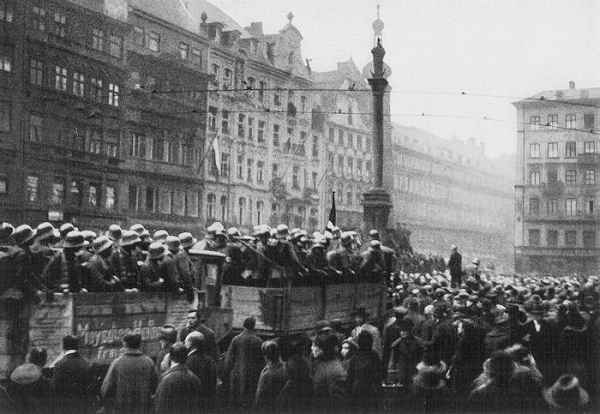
[
  {"x": 260, "y": 207},
  {"x": 242, "y": 209},
  {"x": 210, "y": 205},
  {"x": 291, "y": 58},
  {"x": 223, "y": 208}
]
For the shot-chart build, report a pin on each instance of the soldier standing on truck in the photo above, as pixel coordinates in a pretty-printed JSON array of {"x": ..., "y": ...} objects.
[
  {"x": 42, "y": 247},
  {"x": 125, "y": 260},
  {"x": 256, "y": 258},
  {"x": 389, "y": 255},
  {"x": 373, "y": 264},
  {"x": 159, "y": 273},
  {"x": 184, "y": 270},
  {"x": 284, "y": 255},
  {"x": 29, "y": 281},
  {"x": 65, "y": 271},
  {"x": 100, "y": 274},
  {"x": 344, "y": 260},
  {"x": 187, "y": 242}
]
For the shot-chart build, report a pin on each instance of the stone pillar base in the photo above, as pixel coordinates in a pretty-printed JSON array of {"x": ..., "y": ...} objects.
[{"x": 377, "y": 204}]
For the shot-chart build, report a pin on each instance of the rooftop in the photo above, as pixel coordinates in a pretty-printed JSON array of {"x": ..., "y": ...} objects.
[{"x": 569, "y": 94}]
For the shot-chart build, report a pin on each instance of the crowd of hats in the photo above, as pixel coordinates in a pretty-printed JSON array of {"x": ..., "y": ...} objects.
[{"x": 73, "y": 238}]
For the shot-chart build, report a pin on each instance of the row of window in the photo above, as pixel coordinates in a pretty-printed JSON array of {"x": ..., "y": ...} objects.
[
  {"x": 571, "y": 121},
  {"x": 349, "y": 140},
  {"x": 82, "y": 138},
  {"x": 72, "y": 192},
  {"x": 570, "y": 207},
  {"x": 553, "y": 149},
  {"x": 161, "y": 149},
  {"x": 56, "y": 23},
  {"x": 92, "y": 87},
  {"x": 348, "y": 198},
  {"x": 350, "y": 168},
  {"x": 245, "y": 171},
  {"x": 223, "y": 78},
  {"x": 569, "y": 240},
  {"x": 151, "y": 40},
  {"x": 164, "y": 200},
  {"x": 246, "y": 211},
  {"x": 250, "y": 128},
  {"x": 571, "y": 177}
]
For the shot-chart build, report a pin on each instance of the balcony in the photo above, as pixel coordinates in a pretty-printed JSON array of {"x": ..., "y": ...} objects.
[
  {"x": 553, "y": 189},
  {"x": 590, "y": 158}
]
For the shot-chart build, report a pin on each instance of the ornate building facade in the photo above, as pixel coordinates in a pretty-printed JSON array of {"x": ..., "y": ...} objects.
[
  {"x": 556, "y": 191},
  {"x": 262, "y": 159}
]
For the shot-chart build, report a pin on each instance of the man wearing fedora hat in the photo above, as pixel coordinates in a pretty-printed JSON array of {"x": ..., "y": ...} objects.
[
  {"x": 42, "y": 247},
  {"x": 65, "y": 271},
  {"x": 101, "y": 275},
  {"x": 159, "y": 273},
  {"x": 566, "y": 395},
  {"x": 9, "y": 268},
  {"x": 30, "y": 279},
  {"x": 125, "y": 260}
]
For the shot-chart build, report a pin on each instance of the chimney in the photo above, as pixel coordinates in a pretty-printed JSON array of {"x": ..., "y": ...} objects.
[{"x": 571, "y": 84}]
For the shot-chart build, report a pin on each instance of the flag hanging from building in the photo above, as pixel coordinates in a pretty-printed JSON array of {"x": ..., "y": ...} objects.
[
  {"x": 332, "y": 215},
  {"x": 217, "y": 151}
]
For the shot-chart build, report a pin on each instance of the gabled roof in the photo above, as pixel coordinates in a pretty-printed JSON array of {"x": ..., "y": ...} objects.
[
  {"x": 214, "y": 14},
  {"x": 188, "y": 13},
  {"x": 172, "y": 11}
]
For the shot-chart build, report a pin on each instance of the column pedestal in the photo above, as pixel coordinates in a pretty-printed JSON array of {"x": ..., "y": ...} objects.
[{"x": 377, "y": 204}]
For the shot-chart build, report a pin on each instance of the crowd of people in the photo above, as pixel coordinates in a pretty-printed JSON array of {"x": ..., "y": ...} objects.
[
  {"x": 453, "y": 340},
  {"x": 47, "y": 259}
]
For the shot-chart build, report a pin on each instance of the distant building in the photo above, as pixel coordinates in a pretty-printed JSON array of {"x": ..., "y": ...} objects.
[
  {"x": 448, "y": 192},
  {"x": 557, "y": 187},
  {"x": 347, "y": 142}
]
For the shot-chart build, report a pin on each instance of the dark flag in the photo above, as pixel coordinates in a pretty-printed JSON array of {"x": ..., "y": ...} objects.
[{"x": 331, "y": 220}]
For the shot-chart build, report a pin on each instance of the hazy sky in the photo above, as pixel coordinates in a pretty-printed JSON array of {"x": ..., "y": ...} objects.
[{"x": 512, "y": 48}]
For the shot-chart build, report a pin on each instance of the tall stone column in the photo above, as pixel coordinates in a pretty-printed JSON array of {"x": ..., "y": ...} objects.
[{"x": 377, "y": 202}]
